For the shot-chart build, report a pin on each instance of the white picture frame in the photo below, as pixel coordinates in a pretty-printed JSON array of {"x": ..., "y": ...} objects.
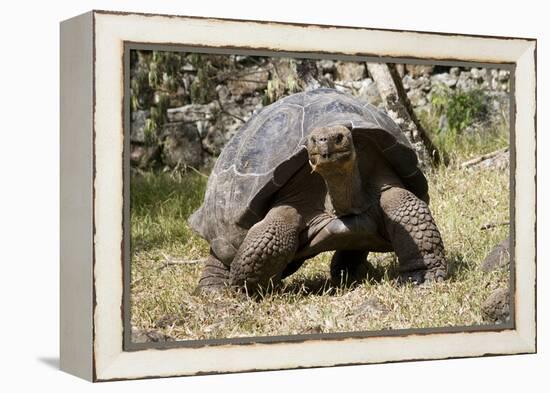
[{"x": 92, "y": 194}]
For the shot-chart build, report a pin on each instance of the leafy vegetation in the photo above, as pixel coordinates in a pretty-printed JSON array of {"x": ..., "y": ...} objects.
[
  {"x": 462, "y": 108},
  {"x": 453, "y": 113},
  {"x": 162, "y": 80},
  {"x": 156, "y": 76}
]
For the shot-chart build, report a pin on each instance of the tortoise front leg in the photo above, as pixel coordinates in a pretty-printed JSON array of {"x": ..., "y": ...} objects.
[
  {"x": 414, "y": 236},
  {"x": 266, "y": 250},
  {"x": 214, "y": 276}
]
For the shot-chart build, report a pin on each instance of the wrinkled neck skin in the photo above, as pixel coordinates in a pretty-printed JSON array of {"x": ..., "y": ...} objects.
[{"x": 344, "y": 188}]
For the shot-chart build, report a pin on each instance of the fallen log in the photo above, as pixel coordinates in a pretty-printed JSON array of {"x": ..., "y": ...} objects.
[{"x": 483, "y": 157}]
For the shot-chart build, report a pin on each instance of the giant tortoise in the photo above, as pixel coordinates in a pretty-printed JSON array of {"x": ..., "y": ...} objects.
[{"x": 313, "y": 172}]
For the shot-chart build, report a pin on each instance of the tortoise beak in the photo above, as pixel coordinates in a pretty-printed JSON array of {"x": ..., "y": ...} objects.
[{"x": 325, "y": 149}]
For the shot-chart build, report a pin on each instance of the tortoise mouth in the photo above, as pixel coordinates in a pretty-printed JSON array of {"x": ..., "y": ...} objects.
[{"x": 328, "y": 158}]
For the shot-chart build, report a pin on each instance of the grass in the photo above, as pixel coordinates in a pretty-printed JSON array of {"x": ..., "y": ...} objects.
[
  {"x": 462, "y": 201},
  {"x": 160, "y": 205}
]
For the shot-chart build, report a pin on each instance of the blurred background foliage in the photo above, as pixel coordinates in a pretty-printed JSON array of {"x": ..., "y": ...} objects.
[{"x": 186, "y": 106}]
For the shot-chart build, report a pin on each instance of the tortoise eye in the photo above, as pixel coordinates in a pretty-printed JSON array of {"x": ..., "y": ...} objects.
[{"x": 339, "y": 138}]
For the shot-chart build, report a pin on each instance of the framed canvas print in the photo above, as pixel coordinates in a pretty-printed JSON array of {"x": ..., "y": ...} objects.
[{"x": 245, "y": 195}]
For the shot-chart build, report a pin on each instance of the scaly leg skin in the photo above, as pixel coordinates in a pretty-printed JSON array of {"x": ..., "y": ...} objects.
[
  {"x": 414, "y": 236},
  {"x": 214, "y": 276},
  {"x": 266, "y": 250},
  {"x": 349, "y": 267}
]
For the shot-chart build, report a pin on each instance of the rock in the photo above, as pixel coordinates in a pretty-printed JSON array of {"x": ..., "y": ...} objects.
[
  {"x": 224, "y": 95},
  {"x": 498, "y": 258},
  {"x": 368, "y": 92},
  {"x": 444, "y": 78},
  {"x": 328, "y": 78},
  {"x": 352, "y": 87},
  {"x": 191, "y": 113},
  {"x": 214, "y": 141},
  {"x": 181, "y": 145},
  {"x": 425, "y": 83},
  {"x": 179, "y": 98},
  {"x": 241, "y": 58},
  {"x": 416, "y": 70},
  {"x": 140, "y": 336},
  {"x": 408, "y": 82},
  {"x": 327, "y": 66},
  {"x": 466, "y": 82},
  {"x": 201, "y": 116},
  {"x": 215, "y": 123},
  {"x": 137, "y": 126},
  {"x": 219, "y": 133},
  {"x": 503, "y": 75},
  {"x": 142, "y": 156},
  {"x": 504, "y": 80},
  {"x": 493, "y": 79},
  {"x": 479, "y": 74},
  {"x": 417, "y": 98},
  {"x": 248, "y": 82},
  {"x": 228, "y": 122},
  {"x": 496, "y": 308},
  {"x": 349, "y": 71},
  {"x": 454, "y": 71},
  {"x": 499, "y": 80},
  {"x": 420, "y": 83},
  {"x": 498, "y": 103}
]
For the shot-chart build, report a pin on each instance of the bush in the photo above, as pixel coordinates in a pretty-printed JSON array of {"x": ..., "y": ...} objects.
[
  {"x": 458, "y": 123},
  {"x": 462, "y": 108}
]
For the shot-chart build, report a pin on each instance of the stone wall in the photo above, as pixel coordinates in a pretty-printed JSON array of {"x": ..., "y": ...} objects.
[{"x": 207, "y": 100}]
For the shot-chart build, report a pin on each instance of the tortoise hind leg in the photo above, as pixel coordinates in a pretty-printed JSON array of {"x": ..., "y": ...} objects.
[
  {"x": 214, "y": 276},
  {"x": 292, "y": 267},
  {"x": 349, "y": 267},
  {"x": 266, "y": 250},
  {"x": 414, "y": 236}
]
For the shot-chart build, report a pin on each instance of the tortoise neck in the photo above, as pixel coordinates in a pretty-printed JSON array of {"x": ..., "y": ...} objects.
[{"x": 345, "y": 189}]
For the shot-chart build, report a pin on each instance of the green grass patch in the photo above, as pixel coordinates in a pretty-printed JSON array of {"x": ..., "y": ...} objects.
[
  {"x": 162, "y": 294},
  {"x": 160, "y": 205}
]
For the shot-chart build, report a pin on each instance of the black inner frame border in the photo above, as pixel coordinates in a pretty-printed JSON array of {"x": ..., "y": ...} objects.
[{"x": 128, "y": 345}]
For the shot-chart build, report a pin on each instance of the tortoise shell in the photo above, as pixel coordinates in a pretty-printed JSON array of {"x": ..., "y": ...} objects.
[{"x": 270, "y": 147}]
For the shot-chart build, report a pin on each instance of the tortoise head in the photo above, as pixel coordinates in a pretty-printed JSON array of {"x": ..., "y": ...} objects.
[{"x": 330, "y": 149}]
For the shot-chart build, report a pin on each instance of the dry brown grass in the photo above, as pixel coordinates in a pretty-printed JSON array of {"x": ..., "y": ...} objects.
[{"x": 462, "y": 201}]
